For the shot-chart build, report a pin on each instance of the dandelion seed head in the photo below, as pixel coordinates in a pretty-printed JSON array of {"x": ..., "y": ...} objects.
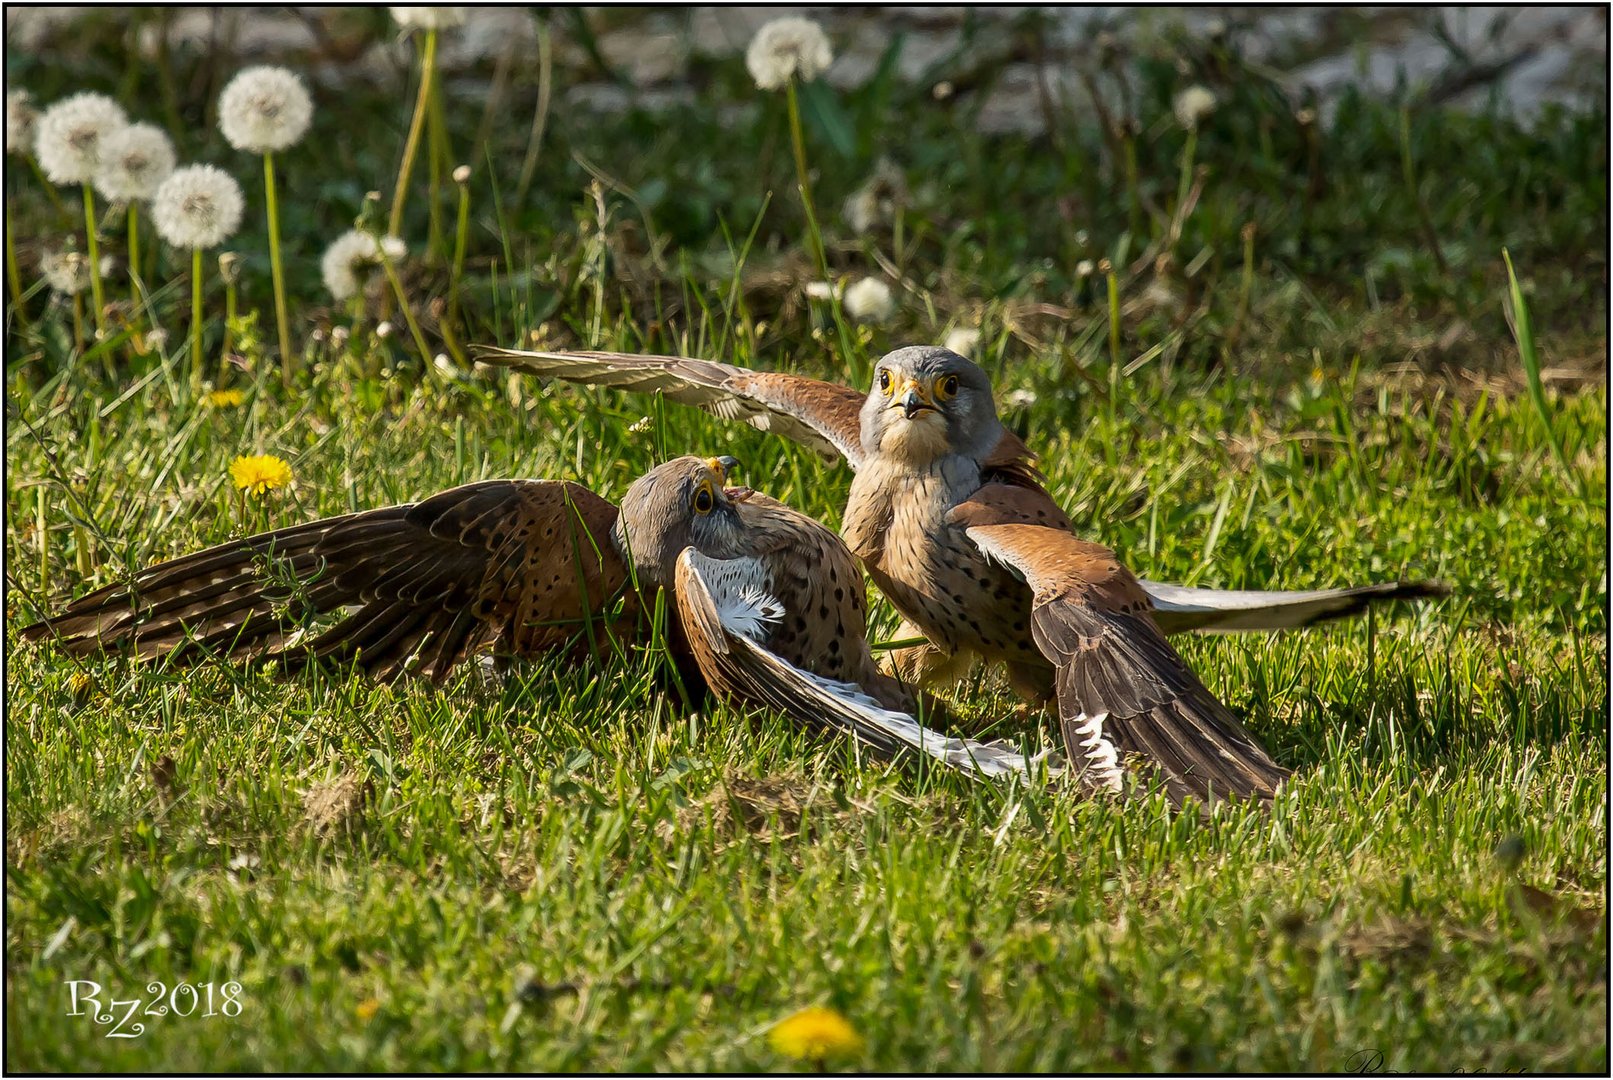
[
  {"x": 20, "y": 118},
  {"x": 819, "y": 290},
  {"x": 260, "y": 473},
  {"x": 964, "y": 341},
  {"x": 428, "y": 18},
  {"x": 383, "y": 330},
  {"x": 198, "y": 206},
  {"x": 265, "y": 109},
  {"x": 462, "y": 174},
  {"x": 134, "y": 161},
  {"x": 1020, "y": 399},
  {"x": 350, "y": 253},
  {"x": 69, "y": 135},
  {"x": 870, "y": 300},
  {"x": 66, "y": 272},
  {"x": 788, "y": 48},
  {"x": 1193, "y": 106},
  {"x": 1085, "y": 268}
]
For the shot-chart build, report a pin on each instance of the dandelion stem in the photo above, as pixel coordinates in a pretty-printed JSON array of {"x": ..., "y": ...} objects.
[
  {"x": 436, "y": 150},
  {"x": 798, "y": 144},
  {"x": 461, "y": 234},
  {"x": 422, "y": 104},
  {"x": 196, "y": 319},
  {"x": 137, "y": 292},
  {"x": 408, "y": 312},
  {"x": 287, "y": 359},
  {"x": 229, "y": 318},
  {"x": 95, "y": 258}
]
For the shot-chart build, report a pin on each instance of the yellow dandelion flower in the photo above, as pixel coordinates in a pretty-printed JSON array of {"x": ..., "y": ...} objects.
[
  {"x": 256, "y": 475},
  {"x": 79, "y": 684},
  {"x": 367, "y": 1009},
  {"x": 816, "y": 1033},
  {"x": 225, "y": 399}
]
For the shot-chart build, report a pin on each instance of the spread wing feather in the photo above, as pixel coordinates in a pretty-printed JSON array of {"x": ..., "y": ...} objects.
[
  {"x": 822, "y": 415},
  {"x": 1118, "y": 680},
  {"x": 723, "y": 614},
  {"x": 1178, "y": 608},
  {"x": 528, "y": 564}
]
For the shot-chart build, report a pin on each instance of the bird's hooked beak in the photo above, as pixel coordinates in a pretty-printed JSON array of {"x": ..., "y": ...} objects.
[
  {"x": 722, "y": 466},
  {"x": 912, "y": 399}
]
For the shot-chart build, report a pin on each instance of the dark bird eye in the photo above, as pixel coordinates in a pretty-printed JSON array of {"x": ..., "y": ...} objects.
[
  {"x": 947, "y": 388},
  {"x": 885, "y": 381},
  {"x": 704, "y": 501}
]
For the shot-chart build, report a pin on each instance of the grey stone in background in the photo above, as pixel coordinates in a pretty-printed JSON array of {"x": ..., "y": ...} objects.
[{"x": 1521, "y": 57}]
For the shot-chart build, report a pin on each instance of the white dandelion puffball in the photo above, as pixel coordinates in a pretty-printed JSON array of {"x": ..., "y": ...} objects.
[
  {"x": 1020, "y": 399},
  {"x": 351, "y": 252},
  {"x": 198, "y": 206},
  {"x": 265, "y": 109},
  {"x": 428, "y": 18},
  {"x": 134, "y": 161},
  {"x": 788, "y": 48},
  {"x": 963, "y": 341},
  {"x": 66, "y": 272},
  {"x": 1193, "y": 106},
  {"x": 869, "y": 300},
  {"x": 820, "y": 290},
  {"x": 68, "y": 137},
  {"x": 20, "y": 117}
]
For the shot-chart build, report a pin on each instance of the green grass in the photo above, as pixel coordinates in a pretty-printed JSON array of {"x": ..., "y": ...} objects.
[{"x": 561, "y": 871}]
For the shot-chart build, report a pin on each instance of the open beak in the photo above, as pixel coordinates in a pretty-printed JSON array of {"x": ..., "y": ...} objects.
[
  {"x": 912, "y": 400},
  {"x": 722, "y": 466}
]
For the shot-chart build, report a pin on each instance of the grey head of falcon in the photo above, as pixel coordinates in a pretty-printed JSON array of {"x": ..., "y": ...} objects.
[
  {"x": 950, "y": 517},
  {"x": 767, "y": 605}
]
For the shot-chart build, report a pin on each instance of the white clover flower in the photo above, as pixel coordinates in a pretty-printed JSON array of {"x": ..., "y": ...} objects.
[
  {"x": 134, "y": 161},
  {"x": 351, "y": 252},
  {"x": 66, "y": 272},
  {"x": 869, "y": 300},
  {"x": 68, "y": 137},
  {"x": 264, "y": 109},
  {"x": 198, "y": 206},
  {"x": 428, "y": 18},
  {"x": 20, "y": 118},
  {"x": 788, "y": 48},
  {"x": 1020, "y": 399},
  {"x": 964, "y": 341},
  {"x": 1193, "y": 106}
]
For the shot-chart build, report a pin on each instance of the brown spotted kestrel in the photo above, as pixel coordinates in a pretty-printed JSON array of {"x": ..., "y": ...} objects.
[
  {"x": 948, "y": 514},
  {"x": 768, "y": 605}
]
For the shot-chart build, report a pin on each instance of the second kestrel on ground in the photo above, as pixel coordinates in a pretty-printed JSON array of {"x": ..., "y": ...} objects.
[
  {"x": 767, "y": 606},
  {"x": 949, "y": 515}
]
